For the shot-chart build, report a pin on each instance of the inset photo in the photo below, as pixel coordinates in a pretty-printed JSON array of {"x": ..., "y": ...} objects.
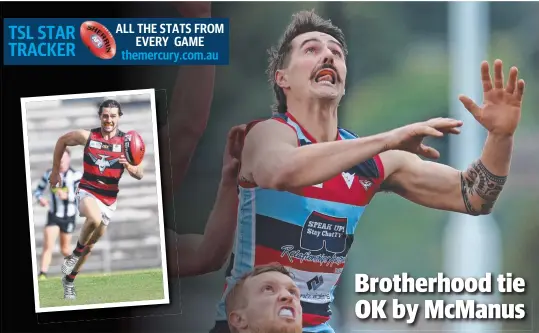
[{"x": 94, "y": 200}]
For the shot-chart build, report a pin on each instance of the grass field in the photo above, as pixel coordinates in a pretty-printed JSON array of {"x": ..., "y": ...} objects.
[{"x": 127, "y": 286}]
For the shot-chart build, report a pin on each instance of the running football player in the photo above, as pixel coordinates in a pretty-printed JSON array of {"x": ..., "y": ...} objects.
[{"x": 104, "y": 165}]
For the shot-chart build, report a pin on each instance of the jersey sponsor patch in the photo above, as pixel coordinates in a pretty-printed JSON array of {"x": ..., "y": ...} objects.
[
  {"x": 117, "y": 148},
  {"x": 95, "y": 144},
  {"x": 314, "y": 297},
  {"x": 314, "y": 287},
  {"x": 321, "y": 231}
]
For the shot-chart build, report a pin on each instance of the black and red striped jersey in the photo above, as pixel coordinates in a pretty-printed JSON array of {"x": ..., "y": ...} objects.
[{"x": 102, "y": 170}]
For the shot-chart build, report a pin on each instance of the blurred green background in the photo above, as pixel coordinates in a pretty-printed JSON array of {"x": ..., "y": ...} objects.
[{"x": 398, "y": 72}]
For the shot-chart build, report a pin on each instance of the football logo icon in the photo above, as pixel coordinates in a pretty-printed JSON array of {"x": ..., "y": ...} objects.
[{"x": 98, "y": 39}]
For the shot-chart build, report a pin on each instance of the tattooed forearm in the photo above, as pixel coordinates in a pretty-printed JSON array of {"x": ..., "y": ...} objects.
[
  {"x": 467, "y": 190},
  {"x": 488, "y": 186},
  {"x": 479, "y": 181}
]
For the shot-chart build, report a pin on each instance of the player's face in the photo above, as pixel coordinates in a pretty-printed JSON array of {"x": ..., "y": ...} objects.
[
  {"x": 316, "y": 67},
  {"x": 109, "y": 119},
  {"x": 65, "y": 161},
  {"x": 273, "y": 304}
]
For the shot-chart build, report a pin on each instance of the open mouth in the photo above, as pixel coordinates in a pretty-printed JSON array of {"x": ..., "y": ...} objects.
[
  {"x": 108, "y": 125},
  {"x": 287, "y": 312},
  {"x": 326, "y": 76}
]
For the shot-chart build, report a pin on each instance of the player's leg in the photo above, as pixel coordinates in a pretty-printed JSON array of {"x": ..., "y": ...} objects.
[
  {"x": 96, "y": 235},
  {"x": 89, "y": 208},
  {"x": 49, "y": 238},
  {"x": 92, "y": 230},
  {"x": 68, "y": 281},
  {"x": 66, "y": 229}
]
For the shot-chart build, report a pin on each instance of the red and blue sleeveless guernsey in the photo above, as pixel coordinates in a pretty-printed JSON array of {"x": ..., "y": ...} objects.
[
  {"x": 102, "y": 170},
  {"x": 309, "y": 230}
]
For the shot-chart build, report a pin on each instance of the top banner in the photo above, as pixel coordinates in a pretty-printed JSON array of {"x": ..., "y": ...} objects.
[{"x": 141, "y": 41}]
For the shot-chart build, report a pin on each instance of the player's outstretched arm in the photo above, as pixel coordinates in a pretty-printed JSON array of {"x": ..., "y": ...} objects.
[
  {"x": 272, "y": 159},
  {"x": 475, "y": 190},
  {"x": 73, "y": 138},
  {"x": 192, "y": 254}
]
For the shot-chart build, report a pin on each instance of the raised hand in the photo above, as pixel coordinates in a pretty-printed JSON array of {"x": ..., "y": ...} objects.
[
  {"x": 410, "y": 138},
  {"x": 501, "y": 109}
]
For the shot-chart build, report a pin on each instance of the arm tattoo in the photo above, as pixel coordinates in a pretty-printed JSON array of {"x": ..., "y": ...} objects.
[
  {"x": 467, "y": 189},
  {"x": 478, "y": 180},
  {"x": 489, "y": 185}
]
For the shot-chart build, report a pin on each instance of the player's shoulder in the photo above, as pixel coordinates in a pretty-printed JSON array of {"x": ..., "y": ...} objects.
[{"x": 89, "y": 133}]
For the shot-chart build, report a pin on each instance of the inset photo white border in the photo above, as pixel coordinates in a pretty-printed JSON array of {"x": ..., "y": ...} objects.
[{"x": 30, "y": 190}]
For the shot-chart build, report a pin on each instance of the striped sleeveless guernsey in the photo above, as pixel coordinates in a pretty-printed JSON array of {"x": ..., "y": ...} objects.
[
  {"x": 102, "y": 170},
  {"x": 309, "y": 230}
]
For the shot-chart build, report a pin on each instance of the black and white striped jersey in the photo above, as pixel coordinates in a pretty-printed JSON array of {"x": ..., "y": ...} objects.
[{"x": 69, "y": 183}]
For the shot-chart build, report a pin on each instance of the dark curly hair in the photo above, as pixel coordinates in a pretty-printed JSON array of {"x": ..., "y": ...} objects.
[{"x": 110, "y": 103}]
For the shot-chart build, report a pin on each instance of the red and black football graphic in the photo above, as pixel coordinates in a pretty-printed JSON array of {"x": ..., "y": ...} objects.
[
  {"x": 98, "y": 39},
  {"x": 134, "y": 148}
]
